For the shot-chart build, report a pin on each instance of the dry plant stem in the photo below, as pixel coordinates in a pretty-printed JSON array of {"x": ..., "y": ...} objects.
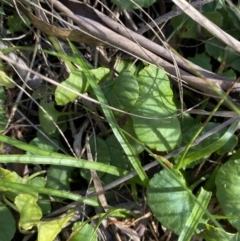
[
  {"x": 207, "y": 24},
  {"x": 107, "y": 36},
  {"x": 166, "y": 17},
  {"x": 160, "y": 51}
]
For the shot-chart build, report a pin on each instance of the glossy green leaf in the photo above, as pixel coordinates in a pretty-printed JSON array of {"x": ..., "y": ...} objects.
[
  {"x": 122, "y": 93},
  {"x": 84, "y": 232},
  {"x": 212, "y": 234},
  {"x": 227, "y": 184},
  {"x": 156, "y": 102},
  {"x": 7, "y": 223},
  {"x": 169, "y": 200},
  {"x": 30, "y": 212},
  {"x": 48, "y": 230},
  {"x": 129, "y": 4}
]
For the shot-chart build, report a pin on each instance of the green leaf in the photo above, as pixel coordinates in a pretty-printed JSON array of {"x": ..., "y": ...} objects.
[
  {"x": 169, "y": 200},
  {"x": 117, "y": 157},
  {"x": 77, "y": 82},
  {"x": 212, "y": 234},
  {"x": 113, "y": 123},
  {"x": 7, "y": 224},
  {"x": 126, "y": 65},
  {"x": 129, "y": 4},
  {"x": 187, "y": 28},
  {"x": 48, "y": 119},
  {"x": 197, "y": 213},
  {"x": 48, "y": 230},
  {"x": 5, "y": 80},
  {"x": 122, "y": 92},
  {"x": 156, "y": 102},
  {"x": 206, "y": 147},
  {"x": 16, "y": 23},
  {"x": 214, "y": 17},
  {"x": 30, "y": 212},
  {"x": 58, "y": 177},
  {"x": 84, "y": 232},
  {"x": 202, "y": 60},
  {"x": 2, "y": 13},
  {"x": 214, "y": 48},
  {"x": 3, "y": 118},
  {"x": 227, "y": 184},
  {"x": 100, "y": 150},
  {"x": 44, "y": 143}
]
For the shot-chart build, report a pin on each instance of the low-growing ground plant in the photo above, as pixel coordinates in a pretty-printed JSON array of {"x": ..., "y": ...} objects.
[{"x": 119, "y": 120}]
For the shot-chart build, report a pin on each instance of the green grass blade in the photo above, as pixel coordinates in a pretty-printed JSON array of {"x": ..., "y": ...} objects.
[
  {"x": 63, "y": 161},
  {"x": 48, "y": 191},
  {"x": 211, "y": 148},
  {"x": 195, "y": 216}
]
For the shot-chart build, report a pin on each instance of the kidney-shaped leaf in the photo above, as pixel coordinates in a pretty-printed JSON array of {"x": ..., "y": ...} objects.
[
  {"x": 156, "y": 102},
  {"x": 122, "y": 92},
  {"x": 169, "y": 200},
  {"x": 227, "y": 184}
]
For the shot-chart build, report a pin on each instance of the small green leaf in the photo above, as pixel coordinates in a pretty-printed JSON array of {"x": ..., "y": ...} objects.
[
  {"x": 16, "y": 23},
  {"x": 122, "y": 92},
  {"x": 227, "y": 184},
  {"x": 84, "y": 232},
  {"x": 214, "y": 17},
  {"x": 214, "y": 48},
  {"x": 5, "y": 80},
  {"x": 187, "y": 28},
  {"x": 99, "y": 149},
  {"x": 212, "y": 234},
  {"x": 58, "y": 177},
  {"x": 30, "y": 212},
  {"x": 77, "y": 82},
  {"x": 7, "y": 224},
  {"x": 2, "y": 11},
  {"x": 129, "y": 4},
  {"x": 215, "y": 142},
  {"x": 48, "y": 119},
  {"x": 169, "y": 200},
  {"x": 154, "y": 104},
  {"x": 3, "y": 118},
  {"x": 202, "y": 60},
  {"x": 48, "y": 230}
]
